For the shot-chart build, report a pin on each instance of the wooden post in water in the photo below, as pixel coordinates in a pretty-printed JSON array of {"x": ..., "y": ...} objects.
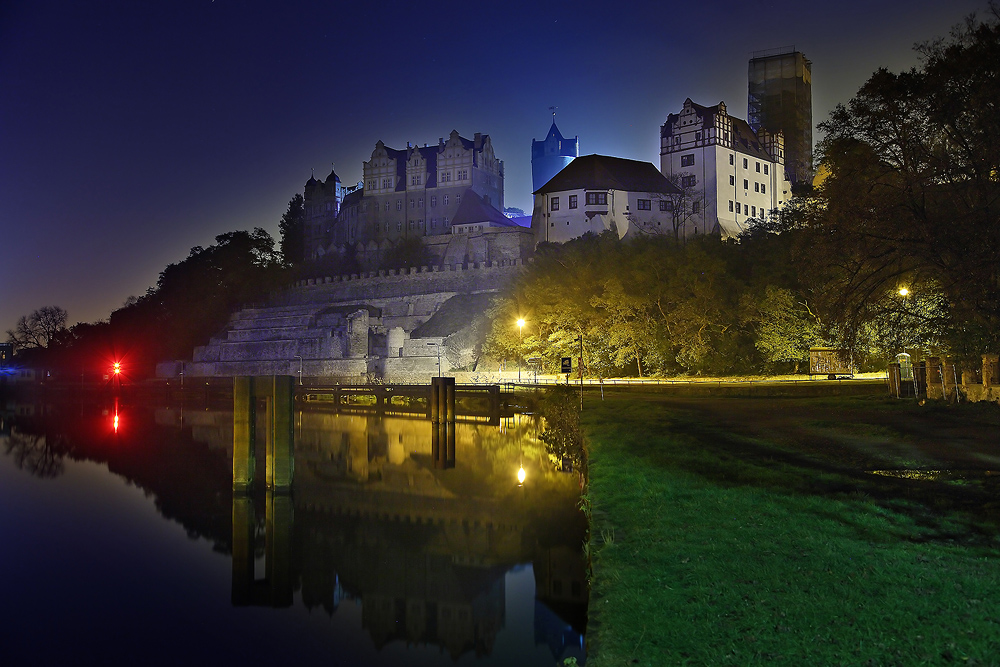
[{"x": 244, "y": 432}]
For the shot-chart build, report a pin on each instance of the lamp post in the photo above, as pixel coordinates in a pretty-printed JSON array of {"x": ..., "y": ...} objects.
[{"x": 520, "y": 342}]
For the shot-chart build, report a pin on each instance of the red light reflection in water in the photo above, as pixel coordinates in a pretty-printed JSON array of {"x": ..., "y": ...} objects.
[{"x": 115, "y": 421}]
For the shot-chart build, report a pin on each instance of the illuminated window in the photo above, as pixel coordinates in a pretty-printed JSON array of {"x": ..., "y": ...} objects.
[
  {"x": 554, "y": 204},
  {"x": 696, "y": 207},
  {"x": 572, "y": 201},
  {"x": 687, "y": 181},
  {"x": 687, "y": 160},
  {"x": 644, "y": 205},
  {"x": 597, "y": 198}
]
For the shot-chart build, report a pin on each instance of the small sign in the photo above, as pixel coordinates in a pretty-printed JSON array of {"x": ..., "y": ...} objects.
[{"x": 567, "y": 364}]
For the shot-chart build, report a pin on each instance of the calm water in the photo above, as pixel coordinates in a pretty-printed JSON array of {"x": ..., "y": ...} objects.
[{"x": 128, "y": 546}]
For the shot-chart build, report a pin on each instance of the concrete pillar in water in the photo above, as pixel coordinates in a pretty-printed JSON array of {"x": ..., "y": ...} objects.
[
  {"x": 280, "y": 434},
  {"x": 244, "y": 433},
  {"x": 243, "y": 532},
  {"x": 278, "y": 549},
  {"x": 449, "y": 387}
]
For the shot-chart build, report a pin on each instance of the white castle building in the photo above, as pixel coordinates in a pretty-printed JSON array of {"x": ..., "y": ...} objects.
[{"x": 729, "y": 173}]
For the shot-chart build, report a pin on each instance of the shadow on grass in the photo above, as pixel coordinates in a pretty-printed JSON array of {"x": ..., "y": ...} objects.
[{"x": 797, "y": 447}]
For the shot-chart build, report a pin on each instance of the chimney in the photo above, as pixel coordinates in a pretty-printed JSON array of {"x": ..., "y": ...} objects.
[{"x": 479, "y": 140}]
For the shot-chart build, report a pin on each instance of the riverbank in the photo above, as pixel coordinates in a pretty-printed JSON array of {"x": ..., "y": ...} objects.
[{"x": 792, "y": 531}]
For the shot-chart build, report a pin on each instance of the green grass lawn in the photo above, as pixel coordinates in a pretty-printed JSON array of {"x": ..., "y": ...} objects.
[{"x": 745, "y": 531}]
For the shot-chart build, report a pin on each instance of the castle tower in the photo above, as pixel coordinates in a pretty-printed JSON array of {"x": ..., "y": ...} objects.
[
  {"x": 550, "y": 155},
  {"x": 780, "y": 99}
]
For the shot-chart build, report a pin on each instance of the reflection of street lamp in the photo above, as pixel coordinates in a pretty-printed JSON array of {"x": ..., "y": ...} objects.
[
  {"x": 299, "y": 357},
  {"x": 903, "y": 292},
  {"x": 520, "y": 340}
]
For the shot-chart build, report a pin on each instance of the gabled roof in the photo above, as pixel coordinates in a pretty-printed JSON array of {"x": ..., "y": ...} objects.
[
  {"x": 602, "y": 172},
  {"x": 474, "y": 209}
]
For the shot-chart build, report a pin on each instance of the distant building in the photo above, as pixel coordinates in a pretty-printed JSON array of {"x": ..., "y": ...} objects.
[
  {"x": 780, "y": 99},
  {"x": 550, "y": 155},
  {"x": 596, "y": 193},
  {"x": 728, "y": 172},
  {"x": 405, "y": 193}
]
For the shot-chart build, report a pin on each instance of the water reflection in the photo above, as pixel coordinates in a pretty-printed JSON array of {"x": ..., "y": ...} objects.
[{"x": 417, "y": 527}]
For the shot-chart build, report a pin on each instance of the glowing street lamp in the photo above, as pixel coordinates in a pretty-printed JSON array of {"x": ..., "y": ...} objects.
[
  {"x": 118, "y": 368},
  {"x": 521, "y": 475},
  {"x": 904, "y": 292}
]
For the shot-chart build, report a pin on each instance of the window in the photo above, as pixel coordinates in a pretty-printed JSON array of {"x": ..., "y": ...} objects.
[
  {"x": 644, "y": 205},
  {"x": 458, "y": 199},
  {"x": 756, "y": 187},
  {"x": 554, "y": 204},
  {"x": 765, "y": 170},
  {"x": 387, "y": 227},
  {"x": 434, "y": 201},
  {"x": 572, "y": 201},
  {"x": 434, "y": 223},
  {"x": 597, "y": 198},
  {"x": 444, "y": 222},
  {"x": 445, "y": 176},
  {"x": 732, "y": 179},
  {"x": 746, "y": 184},
  {"x": 666, "y": 205},
  {"x": 745, "y": 163},
  {"x": 444, "y": 200},
  {"x": 413, "y": 203},
  {"x": 420, "y": 202},
  {"x": 763, "y": 190},
  {"x": 697, "y": 136},
  {"x": 758, "y": 167},
  {"x": 687, "y": 160},
  {"x": 399, "y": 226},
  {"x": 753, "y": 211},
  {"x": 386, "y": 182},
  {"x": 731, "y": 158},
  {"x": 399, "y": 205},
  {"x": 730, "y": 205},
  {"x": 687, "y": 181},
  {"x": 696, "y": 207}
]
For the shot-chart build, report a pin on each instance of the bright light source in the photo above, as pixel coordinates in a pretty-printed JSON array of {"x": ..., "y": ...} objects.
[
  {"x": 521, "y": 475},
  {"x": 520, "y": 323},
  {"x": 118, "y": 367},
  {"x": 903, "y": 291}
]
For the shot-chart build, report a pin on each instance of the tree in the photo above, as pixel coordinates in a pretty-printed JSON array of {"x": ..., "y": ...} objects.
[
  {"x": 293, "y": 232},
  {"x": 38, "y": 329},
  {"x": 913, "y": 195}
]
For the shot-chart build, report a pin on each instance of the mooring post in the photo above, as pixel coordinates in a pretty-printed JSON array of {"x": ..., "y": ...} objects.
[
  {"x": 435, "y": 400},
  {"x": 244, "y": 422},
  {"x": 449, "y": 386},
  {"x": 278, "y": 548},
  {"x": 243, "y": 555},
  {"x": 280, "y": 433}
]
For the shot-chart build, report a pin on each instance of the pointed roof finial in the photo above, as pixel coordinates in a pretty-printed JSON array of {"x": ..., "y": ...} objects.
[{"x": 553, "y": 110}]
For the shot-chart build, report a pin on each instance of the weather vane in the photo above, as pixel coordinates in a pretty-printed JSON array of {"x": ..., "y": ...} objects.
[{"x": 553, "y": 110}]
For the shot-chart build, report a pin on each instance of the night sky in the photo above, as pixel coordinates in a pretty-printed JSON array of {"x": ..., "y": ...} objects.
[{"x": 132, "y": 131}]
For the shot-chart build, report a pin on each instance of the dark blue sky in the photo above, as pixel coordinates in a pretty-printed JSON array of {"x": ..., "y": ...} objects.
[{"x": 132, "y": 131}]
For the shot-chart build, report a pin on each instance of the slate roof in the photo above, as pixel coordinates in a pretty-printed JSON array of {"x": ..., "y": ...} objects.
[
  {"x": 602, "y": 172},
  {"x": 474, "y": 209}
]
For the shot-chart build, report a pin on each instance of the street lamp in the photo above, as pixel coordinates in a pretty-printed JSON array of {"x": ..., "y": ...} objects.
[
  {"x": 520, "y": 340},
  {"x": 903, "y": 292}
]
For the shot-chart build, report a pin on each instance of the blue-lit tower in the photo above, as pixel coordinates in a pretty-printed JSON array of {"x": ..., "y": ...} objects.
[{"x": 550, "y": 155}]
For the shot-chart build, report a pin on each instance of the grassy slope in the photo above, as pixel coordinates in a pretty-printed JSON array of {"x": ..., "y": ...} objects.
[{"x": 704, "y": 555}]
